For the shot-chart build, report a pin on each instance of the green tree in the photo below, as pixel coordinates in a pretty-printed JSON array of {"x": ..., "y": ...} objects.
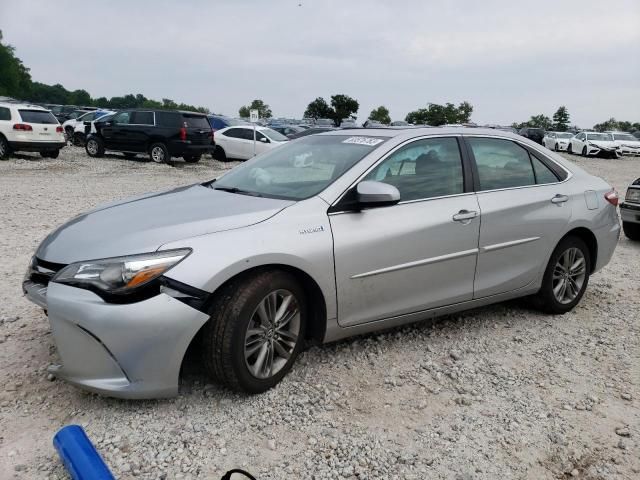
[
  {"x": 465, "y": 109},
  {"x": 264, "y": 111},
  {"x": 611, "y": 124},
  {"x": 15, "y": 79},
  {"x": 380, "y": 114},
  {"x": 436, "y": 114},
  {"x": 540, "y": 121},
  {"x": 343, "y": 107},
  {"x": 319, "y": 108},
  {"x": 561, "y": 119}
]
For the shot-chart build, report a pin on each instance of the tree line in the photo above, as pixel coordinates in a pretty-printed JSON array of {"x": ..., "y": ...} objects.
[
  {"x": 16, "y": 82},
  {"x": 561, "y": 122}
]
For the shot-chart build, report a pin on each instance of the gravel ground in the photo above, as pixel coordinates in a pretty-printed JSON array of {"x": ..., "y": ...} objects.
[{"x": 498, "y": 392}]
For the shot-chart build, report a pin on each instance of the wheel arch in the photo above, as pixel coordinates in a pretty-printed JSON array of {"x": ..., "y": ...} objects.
[{"x": 588, "y": 237}]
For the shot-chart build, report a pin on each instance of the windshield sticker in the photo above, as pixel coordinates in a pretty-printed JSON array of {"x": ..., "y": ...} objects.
[{"x": 363, "y": 141}]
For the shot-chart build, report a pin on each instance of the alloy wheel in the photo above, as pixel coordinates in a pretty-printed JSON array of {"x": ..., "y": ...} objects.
[
  {"x": 569, "y": 275},
  {"x": 157, "y": 154},
  {"x": 272, "y": 334},
  {"x": 92, "y": 147}
]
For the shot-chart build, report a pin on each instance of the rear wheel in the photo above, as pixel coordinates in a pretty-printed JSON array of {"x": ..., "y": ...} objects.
[
  {"x": 256, "y": 331},
  {"x": 192, "y": 158},
  {"x": 219, "y": 154},
  {"x": 565, "y": 278},
  {"x": 631, "y": 230},
  {"x": 94, "y": 147},
  {"x": 4, "y": 148},
  {"x": 159, "y": 153}
]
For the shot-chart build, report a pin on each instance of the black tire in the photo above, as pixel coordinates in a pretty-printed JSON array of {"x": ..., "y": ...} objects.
[
  {"x": 545, "y": 300},
  {"x": 69, "y": 133},
  {"x": 192, "y": 158},
  {"x": 159, "y": 153},
  {"x": 219, "y": 154},
  {"x": 79, "y": 139},
  {"x": 129, "y": 155},
  {"x": 631, "y": 230},
  {"x": 232, "y": 311},
  {"x": 556, "y": 147},
  {"x": 584, "y": 151},
  {"x": 569, "y": 149},
  {"x": 94, "y": 147},
  {"x": 5, "y": 150}
]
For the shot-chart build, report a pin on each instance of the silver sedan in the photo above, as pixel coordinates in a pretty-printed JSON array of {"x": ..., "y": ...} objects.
[{"x": 329, "y": 236}]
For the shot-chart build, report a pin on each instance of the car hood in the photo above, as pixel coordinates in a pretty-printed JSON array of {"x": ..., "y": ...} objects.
[
  {"x": 144, "y": 223},
  {"x": 602, "y": 143},
  {"x": 628, "y": 143}
]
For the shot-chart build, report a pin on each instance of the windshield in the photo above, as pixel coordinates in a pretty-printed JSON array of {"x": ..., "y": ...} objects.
[
  {"x": 599, "y": 136},
  {"x": 273, "y": 135},
  {"x": 564, "y": 135},
  {"x": 299, "y": 169},
  {"x": 625, "y": 136}
]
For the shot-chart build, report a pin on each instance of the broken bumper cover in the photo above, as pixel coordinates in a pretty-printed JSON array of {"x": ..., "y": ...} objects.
[{"x": 121, "y": 350}]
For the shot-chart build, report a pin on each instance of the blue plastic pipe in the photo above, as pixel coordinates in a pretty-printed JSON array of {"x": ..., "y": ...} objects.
[{"x": 79, "y": 456}]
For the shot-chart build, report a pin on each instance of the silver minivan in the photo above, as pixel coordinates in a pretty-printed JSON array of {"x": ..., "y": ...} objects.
[{"x": 329, "y": 236}]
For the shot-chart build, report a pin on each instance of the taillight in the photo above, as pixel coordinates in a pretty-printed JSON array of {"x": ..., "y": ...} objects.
[
  {"x": 22, "y": 126},
  {"x": 612, "y": 197},
  {"x": 59, "y": 129},
  {"x": 183, "y": 133}
]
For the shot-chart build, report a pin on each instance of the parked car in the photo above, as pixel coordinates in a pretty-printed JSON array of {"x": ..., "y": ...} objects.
[
  {"x": 324, "y": 122},
  {"x": 63, "y": 112},
  {"x": 74, "y": 127},
  {"x": 629, "y": 145},
  {"x": 325, "y": 237},
  {"x": 218, "y": 122},
  {"x": 237, "y": 142},
  {"x": 399, "y": 123},
  {"x": 84, "y": 125},
  {"x": 534, "y": 134},
  {"x": 630, "y": 211},
  {"x": 373, "y": 124},
  {"x": 311, "y": 131},
  {"x": 160, "y": 133},
  {"x": 29, "y": 128},
  {"x": 348, "y": 123},
  {"x": 591, "y": 144},
  {"x": 287, "y": 130},
  {"x": 558, "y": 141},
  {"x": 636, "y": 134}
]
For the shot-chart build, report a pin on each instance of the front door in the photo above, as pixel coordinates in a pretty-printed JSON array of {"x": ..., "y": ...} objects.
[
  {"x": 114, "y": 132},
  {"x": 413, "y": 256},
  {"x": 524, "y": 210}
]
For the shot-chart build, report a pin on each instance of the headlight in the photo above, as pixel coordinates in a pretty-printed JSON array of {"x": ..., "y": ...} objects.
[
  {"x": 633, "y": 195},
  {"x": 120, "y": 275}
]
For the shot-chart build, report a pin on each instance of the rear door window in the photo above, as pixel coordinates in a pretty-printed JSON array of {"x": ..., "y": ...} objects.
[
  {"x": 38, "y": 116},
  {"x": 501, "y": 163},
  {"x": 168, "y": 119},
  {"x": 233, "y": 133},
  {"x": 142, "y": 118},
  {"x": 5, "y": 113}
]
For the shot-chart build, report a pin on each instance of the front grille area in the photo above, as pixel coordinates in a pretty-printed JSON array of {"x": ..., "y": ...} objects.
[{"x": 42, "y": 271}]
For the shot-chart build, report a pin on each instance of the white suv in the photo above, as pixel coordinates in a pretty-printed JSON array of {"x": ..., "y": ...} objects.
[{"x": 29, "y": 128}]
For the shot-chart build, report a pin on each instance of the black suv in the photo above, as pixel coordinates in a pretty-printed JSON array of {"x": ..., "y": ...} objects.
[
  {"x": 535, "y": 134},
  {"x": 160, "y": 133}
]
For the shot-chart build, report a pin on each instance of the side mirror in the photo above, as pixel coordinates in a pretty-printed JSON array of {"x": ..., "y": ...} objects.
[
  {"x": 377, "y": 194},
  {"x": 264, "y": 140}
]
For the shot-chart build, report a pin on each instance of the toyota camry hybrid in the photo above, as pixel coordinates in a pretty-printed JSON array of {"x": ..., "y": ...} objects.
[{"x": 325, "y": 237}]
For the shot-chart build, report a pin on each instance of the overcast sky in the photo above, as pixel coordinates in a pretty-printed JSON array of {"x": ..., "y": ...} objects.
[{"x": 509, "y": 59}]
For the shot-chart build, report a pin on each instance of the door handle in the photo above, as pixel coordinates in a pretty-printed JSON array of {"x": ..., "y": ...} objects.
[
  {"x": 559, "y": 199},
  {"x": 464, "y": 216}
]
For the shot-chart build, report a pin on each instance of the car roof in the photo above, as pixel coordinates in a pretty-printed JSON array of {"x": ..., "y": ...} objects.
[
  {"x": 410, "y": 132},
  {"x": 30, "y": 106}
]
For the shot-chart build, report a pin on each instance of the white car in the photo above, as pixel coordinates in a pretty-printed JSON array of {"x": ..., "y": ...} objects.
[
  {"x": 29, "y": 128},
  {"x": 558, "y": 141},
  {"x": 75, "y": 127},
  {"x": 629, "y": 145},
  {"x": 590, "y": 144},
  {"x": 237, "y": 142}
]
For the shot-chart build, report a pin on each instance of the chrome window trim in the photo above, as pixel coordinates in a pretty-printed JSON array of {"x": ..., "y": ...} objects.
[{"x": 391, "y": 152}]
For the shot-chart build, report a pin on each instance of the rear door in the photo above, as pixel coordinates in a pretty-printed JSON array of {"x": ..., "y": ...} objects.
[
  {"x": 524, "y": 209},
  {"x": 230, "y": 140},
  {"x": 137, "y": 134},
  {"x": 43, "y": 126}
]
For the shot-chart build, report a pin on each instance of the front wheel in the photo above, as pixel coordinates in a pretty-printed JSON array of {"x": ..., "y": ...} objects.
[
  {"x": 256, "y": 331},
  {"x": 584, "y": 151},
  {"x": 556, "y": 147},
  {"x": 569, "y": 149},
  {"x": 79, "y": 139},
  {"x": 631, "y": 230},
  {"x": 565, "y": 278},
  {"x": 159, "y": 153},
  {"x": 94, "y": 147}
]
